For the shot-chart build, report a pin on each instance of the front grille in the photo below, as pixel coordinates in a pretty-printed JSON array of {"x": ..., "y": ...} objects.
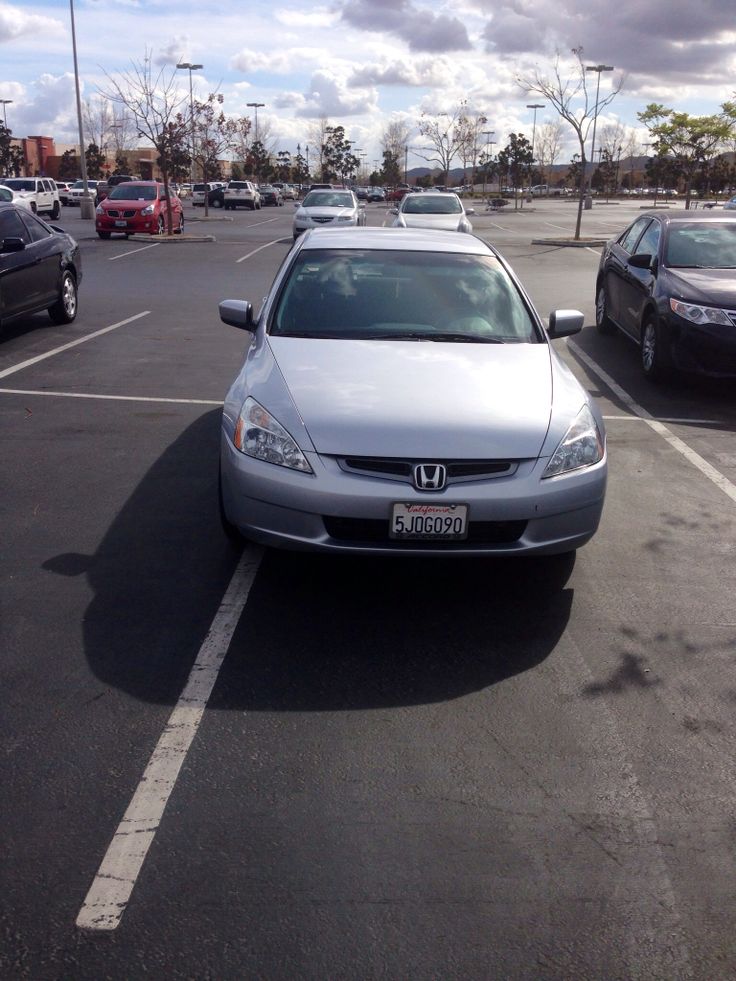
[
  {"x": 402, "y": 469},
  {"x": 115, "y": 213},
  {"x": 370, "y": 531},
  {"x": 321, "y": 221}
]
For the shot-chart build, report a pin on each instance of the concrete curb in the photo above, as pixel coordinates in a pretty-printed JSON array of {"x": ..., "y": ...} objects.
[
  {"x": 571, "y": 243},
  {"x": 172, "y": 239}
]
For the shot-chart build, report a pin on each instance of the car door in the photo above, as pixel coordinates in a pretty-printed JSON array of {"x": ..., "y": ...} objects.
[
  {"x": 637, "y": 283},
  {"x": 18, "y": 270},
  {"x": 45, "y": 250},
  {"x": 616, "y": 268}
]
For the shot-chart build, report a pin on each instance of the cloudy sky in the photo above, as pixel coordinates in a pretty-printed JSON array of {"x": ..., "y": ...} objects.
[{"x": 364, "y": 62}]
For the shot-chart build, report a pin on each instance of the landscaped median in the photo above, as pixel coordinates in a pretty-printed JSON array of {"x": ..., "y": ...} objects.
[{"x": 571, "y": 243}]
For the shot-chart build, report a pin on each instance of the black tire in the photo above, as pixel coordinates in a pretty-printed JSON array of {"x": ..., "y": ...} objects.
[
  {"x": 602, "y": 321},
  {"x": 65, "y": 308},
  {"x": 55, "y": 211},
  {"x": 252, "y": 206},
  {"x": 653, "y": 358},
  {"x": 33, "y": 207},
  {"x": 180, "y": 229},
  {"x": 230, "y": 531},
  {"x": 161, "y": 227},
  {"x": 105, "y": 235},
  {"x": 217, "y": 203}
]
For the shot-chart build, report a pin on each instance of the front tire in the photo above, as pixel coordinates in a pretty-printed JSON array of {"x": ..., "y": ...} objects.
[
  {"x": 65, "y": 308},
  {"x": 602, "y": 321},
  {"x": 217, "y": 203},
  {"x": 653, "y": 358},
  {"x": 160, "y": 228},
  {"x": 55, "y": 211},
  {"x": 105, "y": 235},
  {"x": 180, "y": 229}
]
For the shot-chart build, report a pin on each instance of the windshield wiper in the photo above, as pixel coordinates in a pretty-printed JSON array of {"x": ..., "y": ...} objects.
[{"x": 439, "y": 336}]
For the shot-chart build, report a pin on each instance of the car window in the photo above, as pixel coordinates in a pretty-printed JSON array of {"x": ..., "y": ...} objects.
[
  {"x": 629, "y": 238},
  {"x": 431, "y": 204},
  {"x": 708, "y": 245},
  {"x": 132, "y": 192},
  {"x": 37, "y": 229},
  {"x": 18, "y": 184},
  {"x": 12, "y": 227},
  {"x": 385, "y": 294},
  {"x": 6, "y": 194},
  {"x": 327, "y": 199},
  {"x": 649, "y": 242}
]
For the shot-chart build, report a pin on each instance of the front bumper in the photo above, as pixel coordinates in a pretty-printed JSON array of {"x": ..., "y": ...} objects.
[
  {"x": 147, "y": 224},
  {"x": 335, "y": 511},
  {"x": 702, "y": 349}
]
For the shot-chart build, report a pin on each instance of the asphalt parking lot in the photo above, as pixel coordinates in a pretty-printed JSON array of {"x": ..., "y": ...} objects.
[{"x": 405, "y": 769}]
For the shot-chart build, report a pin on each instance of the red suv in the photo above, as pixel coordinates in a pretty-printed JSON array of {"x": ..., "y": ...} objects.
[{"x": 137, "y": 206}]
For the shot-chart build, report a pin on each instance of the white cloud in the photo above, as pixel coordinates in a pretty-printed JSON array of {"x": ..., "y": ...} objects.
[
  {"x": 14, "y": 23},
  {"x": 328, "y": 95},
  {"x": 176, "y": 51}
]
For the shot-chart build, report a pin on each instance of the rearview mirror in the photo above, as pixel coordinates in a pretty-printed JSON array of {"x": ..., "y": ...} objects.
[
  {"x": 13, "y": 245},
  {"x": 562, "y": 323},
  {"x": 470, "y": 211},
  {"x": 237, "y": 313}
]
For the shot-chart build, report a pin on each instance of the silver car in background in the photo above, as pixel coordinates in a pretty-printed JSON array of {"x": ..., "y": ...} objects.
[
  {"x": 335, "y": 208},
  {"x": 401, "y": 396},
  {"x": 434, "y": 209}
]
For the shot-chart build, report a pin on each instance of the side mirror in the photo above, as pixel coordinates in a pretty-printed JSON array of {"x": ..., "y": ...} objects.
[
  {"x": 393, "y": 211},
  {"x": 297, "y": 204},
  {"x": 563, "y": 323},
  {"x": 13, "y": 245},
  {"x": 237, "y": 313},
  {"x": 470, "y": 211},
  {"x": 641, "y": 260}
]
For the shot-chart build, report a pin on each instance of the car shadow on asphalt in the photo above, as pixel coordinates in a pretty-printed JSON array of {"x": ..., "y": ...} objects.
[{"x": 318, "y": 632}]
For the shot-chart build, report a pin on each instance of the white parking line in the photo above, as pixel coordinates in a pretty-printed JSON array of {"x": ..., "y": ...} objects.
[
  {"x": 113, "y": 885},
  {"x": 264, "y": 222},
  {"x": 259, "y": 249},
  {"x": 685, "y": 422},
  {"x": 709, "y": 471},
  {"x": 124, "y": 255},
  {"x": 111, "y": 398},
  {"x": 65, "y": 347}
]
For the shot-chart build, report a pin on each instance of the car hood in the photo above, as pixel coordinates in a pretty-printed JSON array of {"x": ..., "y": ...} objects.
[
  {"x": 117, "y": 203},
  {"x": 447, "y": 223},
  {"x": 326, "y": 212},
  {"x": 716, "y": 286},
  {"x": 419, "y": 399}
]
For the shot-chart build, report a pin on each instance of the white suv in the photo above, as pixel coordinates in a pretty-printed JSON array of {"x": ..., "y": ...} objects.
[
  {"x": 242, "y": 193},
  {"x": 41, "y": 193}
]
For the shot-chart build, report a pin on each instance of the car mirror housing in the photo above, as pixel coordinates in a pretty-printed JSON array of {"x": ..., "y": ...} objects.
[
  {"x": 470, "y": 211},
  {"x": 641, "y": 260},
  {"x": 563, "y": 323},
  {"x": 237, "y": 313},
  {"x": 13, "y": 245}
]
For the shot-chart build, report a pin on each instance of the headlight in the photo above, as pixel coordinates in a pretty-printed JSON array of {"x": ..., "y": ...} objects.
[
  {"x": 259, "y": 435},
  {"x": 148, "y": 210},
  {"x": 581, "y": 446},
  {"x": 346, "y": 218},
  {"x": 99, "y": 210},
  {"x": 700, "y": 315}
]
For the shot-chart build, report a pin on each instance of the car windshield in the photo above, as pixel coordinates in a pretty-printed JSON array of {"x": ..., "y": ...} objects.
[
  {"x": 702, "y": 245},
  {"x": 431, "y": 204},
  {"x": 132, "y": 192},
  {"x": 401, "y": 295},
  {"x": 6, "y": 194},
  {"x": 20, "y": 185},
  {"x": 237, "y": 185},
  {"x": 327, "y": 199}
]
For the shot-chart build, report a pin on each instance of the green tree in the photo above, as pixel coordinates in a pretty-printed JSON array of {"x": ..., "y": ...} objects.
[
  {"x": 257, "y": 161},
  {"x": 338, "y": 160},
  {"x": 575, "y": 171},
  {"x": 692, "y": 140},
  {"x": 515, "y": 159},
  {"x": 299, "y": 172},
  {"x": 69, "y": 165},
  {"x": 391, "y": 169},
  {"x": 5, "y": 144},
  {"x": 121, "y": 163},
  {"x": 95, "y": 160},
  {"x": 236, "y": 172},
  {"x": 283, "y": 165}
]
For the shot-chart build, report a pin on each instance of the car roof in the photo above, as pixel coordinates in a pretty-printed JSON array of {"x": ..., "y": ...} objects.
[
  {"x": 403, "y": 239},
  {"x": 673, "y": 217}
]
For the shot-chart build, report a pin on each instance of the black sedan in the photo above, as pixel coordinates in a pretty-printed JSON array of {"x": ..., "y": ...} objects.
[
  {"x": 270, "y": 195},
  {"x": 40, "y": 267},
  {"x": 669, "y": 283}
]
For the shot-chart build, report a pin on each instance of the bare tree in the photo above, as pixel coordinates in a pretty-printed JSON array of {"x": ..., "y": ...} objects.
[
  {"x": 318, "y": 136},
  {"x": 444, "y": 135},
  {"x": 470, "y": 136},
  {"x": 97, "y": 113},
  {"x": 548, "y": 146},
  {"x": 572, "y": 100},
  {"x": 395, "y": 137},
  {"x": 153, "y": 102},
  {"x": 214, "y": 135}
]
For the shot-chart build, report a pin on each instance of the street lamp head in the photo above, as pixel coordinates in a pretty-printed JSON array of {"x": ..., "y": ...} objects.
[
  {"x": 599, "y": 68},
  {"x": 536, "y": 105}
]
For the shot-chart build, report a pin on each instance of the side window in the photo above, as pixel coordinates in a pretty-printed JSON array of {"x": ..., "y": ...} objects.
[
  {"x": 12, "y": 227},
  {"x": 36, "y": 229},
  {"x": 628, "y": 239},
  {"x": 649, "y": 241},
  {"x": 46, "y": 185}
]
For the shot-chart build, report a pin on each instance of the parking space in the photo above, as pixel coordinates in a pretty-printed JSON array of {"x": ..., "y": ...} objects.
[{"x": 427, "y": 769}]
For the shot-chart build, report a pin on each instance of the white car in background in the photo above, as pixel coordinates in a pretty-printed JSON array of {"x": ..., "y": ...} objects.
[
  {"x": 76, "y": 191},
  {"x": 41, "y": 193},
  {"x": 7, "y": 194},
  {"x": 440, "y": 210},
  {"x": 328, "y": 208}
]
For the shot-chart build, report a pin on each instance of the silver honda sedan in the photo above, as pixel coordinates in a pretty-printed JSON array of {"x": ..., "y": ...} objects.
[
  {"x": 435, "y": 209},
  {"x": 337, "y": 208},
  {"x": 401, "y": 396}
]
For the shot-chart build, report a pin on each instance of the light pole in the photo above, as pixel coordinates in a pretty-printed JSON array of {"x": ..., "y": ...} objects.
[
  {"x": 256, "y": 106},
  {"x": 5, "y": 102},
  {"x": 188, "y": 66},
  {"x": 534, "y": 106},
  {"x": 486, "y": 132},
  {"x": 306, "y": 150},
  {"x": 598, "y": 69},
  {"x": 86, "y": 203}
]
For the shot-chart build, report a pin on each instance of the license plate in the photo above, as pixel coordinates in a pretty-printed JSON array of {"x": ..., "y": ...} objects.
[
  {"x": 121, "y": 224},
  {"x": 443, "y": 522}
]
